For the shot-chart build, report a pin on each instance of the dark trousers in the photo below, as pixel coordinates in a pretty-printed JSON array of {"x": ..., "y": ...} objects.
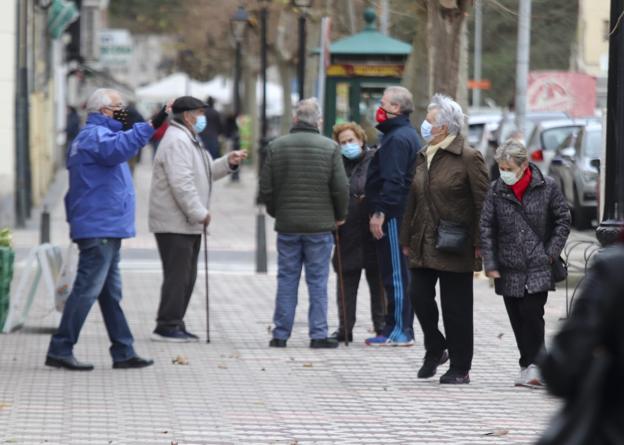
[
  {"x": 395, "y": 277},
  {"x": 526, "y": 315},
  {"x": 178, "y": 254},
  {"x": 456, "y": 298},
  {"x": 351, "y": 283}
]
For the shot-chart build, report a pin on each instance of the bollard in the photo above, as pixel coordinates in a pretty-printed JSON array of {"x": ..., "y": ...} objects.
[{"x": 44, "y": 232}]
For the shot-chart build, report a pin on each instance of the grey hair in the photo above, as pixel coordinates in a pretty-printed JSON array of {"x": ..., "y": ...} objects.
[
  {"x": 308, "y": 111},
  {"x": 512, "y": 150},
  {"x": 100, "y": 98},
  {"x": 402, "y": 97},
  {"x": 449, "y": 113}
]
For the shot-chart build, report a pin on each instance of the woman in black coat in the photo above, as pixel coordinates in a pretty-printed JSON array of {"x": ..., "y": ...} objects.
[
  {"x": 357, "y": 246},
  {"x": 525, "y": 223}
]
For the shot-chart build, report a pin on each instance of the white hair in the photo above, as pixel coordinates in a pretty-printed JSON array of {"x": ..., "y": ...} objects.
[
  {"x": 512, "y": 150},
  {"x": 401, "y": 96},
  {"x": 308, "y": 111},
  {"x": 449, "y": 113},
  {"x": 101, "y": 98}
]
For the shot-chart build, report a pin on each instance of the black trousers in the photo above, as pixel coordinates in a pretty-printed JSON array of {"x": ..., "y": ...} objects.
[
  {"x": 178, "y": 254},
  {"x": 457, "y": 303},
  {"x": 351, "y": 283},
  {"x": 526, "y": 315}
]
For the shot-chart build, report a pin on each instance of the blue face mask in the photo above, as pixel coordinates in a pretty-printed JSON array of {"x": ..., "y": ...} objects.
[
  {"x": 200, "y": 124},
  {"x": 351, "y": 150},
  {"x": 425, "y": 130}
]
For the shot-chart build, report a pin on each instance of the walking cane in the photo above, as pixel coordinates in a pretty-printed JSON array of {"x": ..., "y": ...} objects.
[
  {"x": 207, "y": 291},
  {"x": 341, "y": 287}
]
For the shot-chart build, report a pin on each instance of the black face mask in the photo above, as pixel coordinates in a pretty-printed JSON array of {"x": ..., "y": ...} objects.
[{"x": 121, "y": 116}]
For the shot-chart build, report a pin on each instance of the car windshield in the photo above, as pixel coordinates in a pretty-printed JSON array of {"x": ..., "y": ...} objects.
[
  {"x": 552, "y": 138},
  {"x": 475, "y": 132},
  {"x": 593, "y": 144}
]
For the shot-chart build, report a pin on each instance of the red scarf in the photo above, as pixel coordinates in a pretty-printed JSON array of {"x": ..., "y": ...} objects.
[{"x": 523, "y": 184}]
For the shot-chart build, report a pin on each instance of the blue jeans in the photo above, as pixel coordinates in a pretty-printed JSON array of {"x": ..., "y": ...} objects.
[
  {"x": 294, "y": 251},
  {"x": 98, "y": 278}
]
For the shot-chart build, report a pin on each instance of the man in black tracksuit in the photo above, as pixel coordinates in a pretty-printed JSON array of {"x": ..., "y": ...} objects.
[{"x": 389, "y": 179}]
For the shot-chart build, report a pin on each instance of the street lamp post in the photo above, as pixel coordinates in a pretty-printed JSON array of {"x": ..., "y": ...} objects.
[
  {"x": 613, "y": 223},
  {"x": 303, "y": 6},
  {"x": 239, "y": 23},
  {"x": 261, "y": 247}
]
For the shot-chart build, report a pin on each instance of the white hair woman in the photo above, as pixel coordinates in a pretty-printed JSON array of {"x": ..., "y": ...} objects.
[
  {"x": 440, "y": 236},
  {"x": 524, "y": 226}
]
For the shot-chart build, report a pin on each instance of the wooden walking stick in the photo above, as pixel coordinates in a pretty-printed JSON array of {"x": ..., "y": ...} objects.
[
  {"x": 341, "y": 287},
  {"x": 207, "y": 289}
]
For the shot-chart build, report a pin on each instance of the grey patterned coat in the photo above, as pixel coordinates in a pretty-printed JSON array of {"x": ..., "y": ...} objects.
[{"x": 509, "y": 245}]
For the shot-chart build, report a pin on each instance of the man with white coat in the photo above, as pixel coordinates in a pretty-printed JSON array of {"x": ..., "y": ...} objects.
[{"x": 179, "y": 209}]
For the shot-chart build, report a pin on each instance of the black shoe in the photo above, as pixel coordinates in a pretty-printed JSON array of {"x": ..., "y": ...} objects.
[
  {"x": 68, "y": 363},
  {"x": 134, "y": 362},
  {"x": 454, "y": 377},
  {"x": 324, "y": 343},
  {"x": 277, "y": 343},
  {"x": 339, "y": 336},
  {"x": 190, "y": 335},
  {"x": 430, "y": 365}
]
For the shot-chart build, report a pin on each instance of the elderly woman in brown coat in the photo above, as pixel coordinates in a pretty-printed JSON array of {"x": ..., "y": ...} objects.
[{"x": 440, "y": 235}]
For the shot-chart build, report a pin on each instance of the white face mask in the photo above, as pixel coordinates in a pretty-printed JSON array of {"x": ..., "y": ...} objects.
[{"x": 509, "y": 178}]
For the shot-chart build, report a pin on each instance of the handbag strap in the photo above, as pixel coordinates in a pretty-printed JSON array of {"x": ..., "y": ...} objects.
[
  {"x": 432, "y": 208},
  {"x": 526, "y": 218}
]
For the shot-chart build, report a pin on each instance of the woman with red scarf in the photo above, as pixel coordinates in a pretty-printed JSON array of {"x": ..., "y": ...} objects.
[{"x": 525, "y": 223}]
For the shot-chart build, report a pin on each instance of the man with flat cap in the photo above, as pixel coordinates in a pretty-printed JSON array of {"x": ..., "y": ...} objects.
[{"x": 179, "y": 209}]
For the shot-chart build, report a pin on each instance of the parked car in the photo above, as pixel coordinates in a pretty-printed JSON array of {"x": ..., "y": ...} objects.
[
  {"x": 481, "y": 125},
  {"x": 574, "y": 167},
  {"x": 507, "y": 128},
  {"x": 548, "y": 135}
]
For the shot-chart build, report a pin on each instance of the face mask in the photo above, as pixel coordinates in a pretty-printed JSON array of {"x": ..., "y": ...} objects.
[
  {"x": 509, "y": 178},
  {"x": 381, "y": 115},
  {"x": 351, "y": 150},
  {"x": 200, "y": 124},
  {"x": 121, "y": 116},
  {"x": 425, "y": 130}
]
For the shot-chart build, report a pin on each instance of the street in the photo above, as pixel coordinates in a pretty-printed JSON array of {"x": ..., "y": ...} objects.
[{"x": 236, "y": 390}]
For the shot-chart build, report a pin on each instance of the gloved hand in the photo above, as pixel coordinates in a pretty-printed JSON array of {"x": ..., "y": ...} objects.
[{"x": 160, "y": 117}]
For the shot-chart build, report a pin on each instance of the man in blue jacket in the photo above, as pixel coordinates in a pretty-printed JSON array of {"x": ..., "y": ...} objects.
[
  {"x": 100, "y": 211},
  {"x": 387, "y": 185}
]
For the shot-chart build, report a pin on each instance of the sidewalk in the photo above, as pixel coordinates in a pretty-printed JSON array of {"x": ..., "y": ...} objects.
[{"x": 236, "y": 390}]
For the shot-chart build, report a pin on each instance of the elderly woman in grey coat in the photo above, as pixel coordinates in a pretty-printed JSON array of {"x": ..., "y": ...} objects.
[{"x": 525, "y": 223}]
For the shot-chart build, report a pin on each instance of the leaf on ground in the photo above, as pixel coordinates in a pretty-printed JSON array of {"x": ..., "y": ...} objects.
[
  {"x": 222, "y": 366},
  {"x": 497, "y": 433},
  {"x": 4, "y": 406},
  {"x": 308, "y": 365},
  {"x": 500, "y": 335},
  {"x": 180, "y": 360}
]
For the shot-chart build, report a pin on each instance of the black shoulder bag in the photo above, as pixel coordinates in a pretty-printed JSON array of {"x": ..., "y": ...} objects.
[
  {"x": 451, "y": 237},
  {"x": 559, "y": 268}
]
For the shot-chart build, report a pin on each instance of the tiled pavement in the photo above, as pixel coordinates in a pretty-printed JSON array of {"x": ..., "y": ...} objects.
[{"x": 236, "y": 390}]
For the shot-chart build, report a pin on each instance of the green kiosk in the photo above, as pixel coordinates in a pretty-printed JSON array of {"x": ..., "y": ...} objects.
[{"x": 361, "y": 66}]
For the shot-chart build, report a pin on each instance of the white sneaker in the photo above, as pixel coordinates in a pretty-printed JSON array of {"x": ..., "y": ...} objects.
[
  {"x": 521, "y": 377},
  {"x": 533, "y": 377}
]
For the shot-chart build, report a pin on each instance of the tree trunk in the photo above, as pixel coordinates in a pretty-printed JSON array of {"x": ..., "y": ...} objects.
[
  {"x": 284, "y": 62},
  {"x": 417, "y": 76},
  {"x": 435, "y": 64},
  {"x": 444, "y": 29}
]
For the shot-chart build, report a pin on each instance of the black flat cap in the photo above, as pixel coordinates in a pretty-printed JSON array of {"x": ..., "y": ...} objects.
[{"x": 187, "y": 103}]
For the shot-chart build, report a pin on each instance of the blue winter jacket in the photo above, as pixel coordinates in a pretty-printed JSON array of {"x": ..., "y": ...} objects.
[
  {"x": 391, "y": 171},
  {"x": 100, "y": 199}
]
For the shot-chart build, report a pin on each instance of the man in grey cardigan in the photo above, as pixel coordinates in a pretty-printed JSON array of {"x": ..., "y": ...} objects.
[
  {"x": 179, "y": 209},
  {"x": 305, "y": 188}
]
